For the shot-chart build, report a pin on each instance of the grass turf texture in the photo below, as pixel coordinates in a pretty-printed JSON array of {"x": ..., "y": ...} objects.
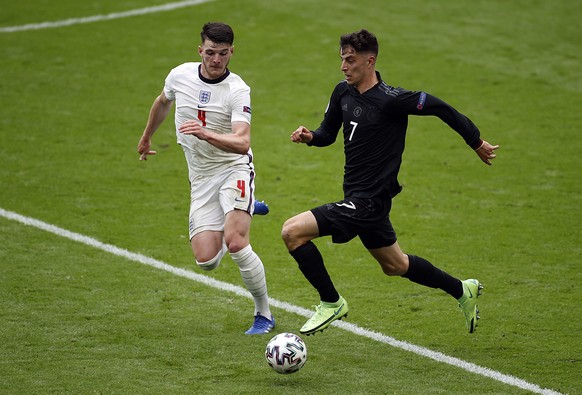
[{"x": 75, "y": 101}]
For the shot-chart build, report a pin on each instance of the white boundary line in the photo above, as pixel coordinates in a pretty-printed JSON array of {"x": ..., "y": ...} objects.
[
  {"x": 223, "y": 286},
  {"x": 97, "y": 18}
]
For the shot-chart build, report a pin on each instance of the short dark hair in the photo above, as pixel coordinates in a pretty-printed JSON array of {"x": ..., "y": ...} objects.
[
  {"x": 361, "y": 41},
  {"x": 217, "y": 32}
]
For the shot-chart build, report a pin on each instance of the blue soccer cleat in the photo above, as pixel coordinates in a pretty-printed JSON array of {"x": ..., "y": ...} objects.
[
  {"x": 261, "y": 208},
  {"x": 261, "y": 326}
]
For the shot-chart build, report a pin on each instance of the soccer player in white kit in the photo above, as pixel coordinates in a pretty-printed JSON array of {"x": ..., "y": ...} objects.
[{"x": 213, "y": 116}]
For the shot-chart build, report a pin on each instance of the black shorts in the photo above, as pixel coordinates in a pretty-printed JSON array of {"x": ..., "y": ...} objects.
[{"x": 369, "y": 219}]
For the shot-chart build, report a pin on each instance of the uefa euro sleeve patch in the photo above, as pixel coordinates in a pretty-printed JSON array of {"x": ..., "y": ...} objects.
[{"x": 421, "y": 100}]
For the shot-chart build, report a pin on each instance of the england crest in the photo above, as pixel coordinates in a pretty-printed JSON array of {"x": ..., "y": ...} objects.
[{"x": 204, "y": 97}]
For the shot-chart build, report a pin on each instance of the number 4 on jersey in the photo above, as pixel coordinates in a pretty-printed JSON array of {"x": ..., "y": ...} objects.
[
  {"x": 240, "y": 184},
  {"x": 202, "y": 117}
]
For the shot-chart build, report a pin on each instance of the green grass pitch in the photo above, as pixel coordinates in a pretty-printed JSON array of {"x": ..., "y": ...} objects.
[{"x": 73, "y": 104}]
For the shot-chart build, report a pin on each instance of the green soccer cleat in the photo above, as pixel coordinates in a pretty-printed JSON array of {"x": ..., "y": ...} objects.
[
  {"x": 325, "y": 314},
  {"x": 468, "y": 302}
]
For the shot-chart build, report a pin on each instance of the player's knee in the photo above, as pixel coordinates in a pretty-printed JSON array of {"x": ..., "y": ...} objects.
[
  {"x": 212, "y": 263},
  {"x": 393, "y": 268},
  {"x": 208, "y": 265},
  {"x": 297, "y": 231},
  {"x": 235, "y": 244},
  {"x": 288, "y": 233},
  {"x": 390, "y": 271}
]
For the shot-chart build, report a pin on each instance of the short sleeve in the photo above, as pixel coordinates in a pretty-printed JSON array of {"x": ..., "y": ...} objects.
[
  {"x": 241, "y": 105},
  {"x": 169, "y": 90}
]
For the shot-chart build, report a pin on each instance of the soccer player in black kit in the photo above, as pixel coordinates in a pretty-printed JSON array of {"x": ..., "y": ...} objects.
[{"x": 374, "y": 116}]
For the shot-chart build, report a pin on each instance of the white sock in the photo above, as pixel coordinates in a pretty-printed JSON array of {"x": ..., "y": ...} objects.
[{"x": 253, "y": 275}]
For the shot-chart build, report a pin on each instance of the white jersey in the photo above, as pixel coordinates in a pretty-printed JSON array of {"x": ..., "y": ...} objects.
[{"x": 215, "y": 104}]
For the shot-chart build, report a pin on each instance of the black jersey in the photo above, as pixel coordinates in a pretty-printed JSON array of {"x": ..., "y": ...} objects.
[{"x": 374, "y": 128}]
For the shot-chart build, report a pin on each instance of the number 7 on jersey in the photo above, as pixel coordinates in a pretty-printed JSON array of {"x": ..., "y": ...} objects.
[{"x": 355, "y": 125}]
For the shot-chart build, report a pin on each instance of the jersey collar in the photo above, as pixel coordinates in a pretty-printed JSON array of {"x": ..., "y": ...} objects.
[
  {"x": 355, "y": 90},
  {"x": 216, "y": 81}
]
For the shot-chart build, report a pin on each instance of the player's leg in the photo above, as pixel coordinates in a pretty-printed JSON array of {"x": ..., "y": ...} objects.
[
  {"x": 395, "y": 263},
  {"x": 297, "y": 234},
  {"x": 208, "y": 248},
  {"x": 236, "y": 196},
  {"x": 206, "y": 224},
  {"x": 380, "y": 240}
]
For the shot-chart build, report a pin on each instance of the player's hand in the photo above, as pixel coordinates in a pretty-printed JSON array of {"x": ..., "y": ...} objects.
[
  {"x": 143, "y": 148},
  {"x": 193, "y": 128},
  {"x": 486, "y": 152},
  {"x": 301, "y": 135}
]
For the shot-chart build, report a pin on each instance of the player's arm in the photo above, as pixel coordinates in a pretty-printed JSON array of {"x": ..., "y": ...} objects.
[
  {"x": 486, "y": 151},
  {"x": 320, "y": 137},
  {"x": 302, "y": 135},
  {"x": 422, "y": 103},
  {"x": 326, "y": 133},
  {"x": 462, "y": 125},
  {"x": 159, "y": 111},
  {"x": 238, "y": 142}
]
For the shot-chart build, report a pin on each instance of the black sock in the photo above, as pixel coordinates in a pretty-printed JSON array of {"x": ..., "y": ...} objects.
[
  {"x": 425, "y": 273},
  {"x": 311, "y": 265}
]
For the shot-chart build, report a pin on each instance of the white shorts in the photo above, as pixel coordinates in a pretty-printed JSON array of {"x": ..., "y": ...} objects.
[{"x": 211, "y": 198}]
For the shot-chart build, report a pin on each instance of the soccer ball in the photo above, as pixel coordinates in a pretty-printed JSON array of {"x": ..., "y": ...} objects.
[{"x": 286, "y": 353}]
